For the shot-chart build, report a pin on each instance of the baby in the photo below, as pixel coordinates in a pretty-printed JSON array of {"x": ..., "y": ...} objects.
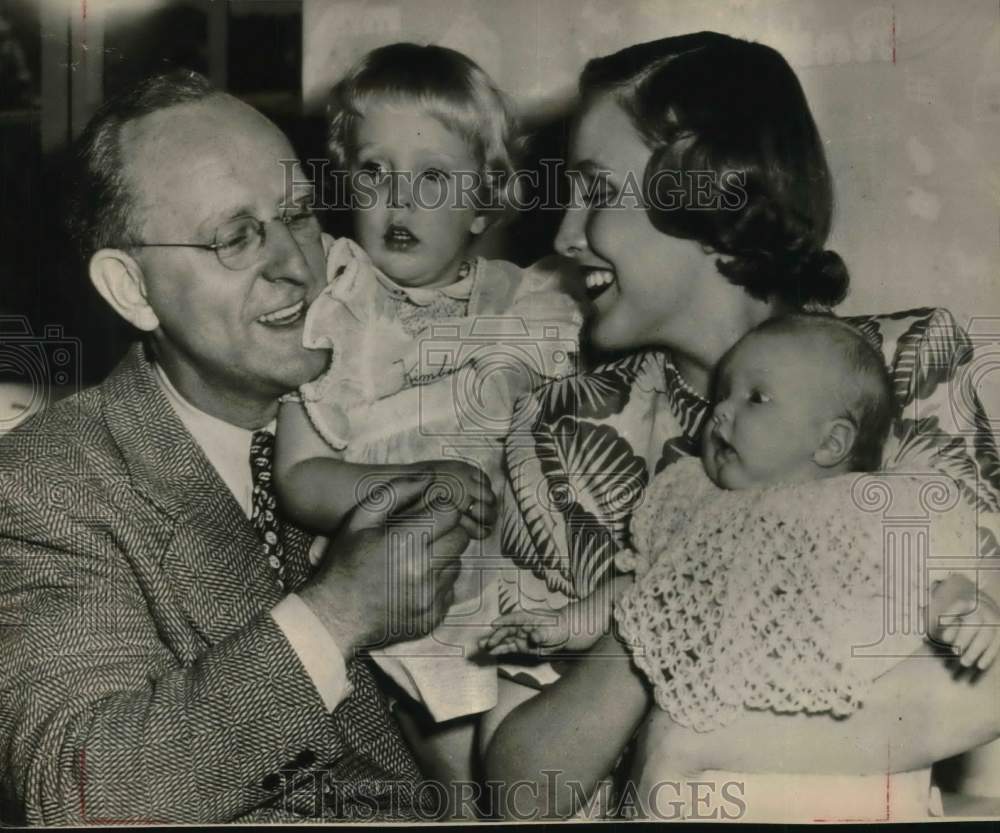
[
  {"x": 802, "y": 404},
  {"x": 430, "y": 346}
]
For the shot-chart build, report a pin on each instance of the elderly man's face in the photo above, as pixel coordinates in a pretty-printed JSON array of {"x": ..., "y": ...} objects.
[{"x": 230, "y": 340}]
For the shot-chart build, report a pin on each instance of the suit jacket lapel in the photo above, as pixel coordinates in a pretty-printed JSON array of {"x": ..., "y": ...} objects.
[{"x": 213, "y": 559}]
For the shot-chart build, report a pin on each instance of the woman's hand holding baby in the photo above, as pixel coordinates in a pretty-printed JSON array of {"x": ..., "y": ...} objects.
[{"x": 975, "y": 637}]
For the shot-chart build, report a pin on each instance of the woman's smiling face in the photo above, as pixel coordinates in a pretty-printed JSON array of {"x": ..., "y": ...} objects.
[{"x": 641, "y": 280}]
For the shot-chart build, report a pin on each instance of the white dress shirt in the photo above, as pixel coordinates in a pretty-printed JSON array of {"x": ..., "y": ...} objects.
[{"x": 227, "y": 448}]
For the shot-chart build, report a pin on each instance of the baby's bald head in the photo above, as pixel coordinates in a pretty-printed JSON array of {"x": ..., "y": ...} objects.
[{"x": 855, "y": 371}]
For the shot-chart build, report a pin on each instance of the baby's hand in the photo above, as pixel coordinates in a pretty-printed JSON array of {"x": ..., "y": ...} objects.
[
  {"x": 975, "y": 638},
  {"x": 544, "y": 632},
  {"x": 462, "y": 486}
]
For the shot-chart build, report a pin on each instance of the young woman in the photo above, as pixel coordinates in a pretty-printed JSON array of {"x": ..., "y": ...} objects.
[{"x": 726, "y": 229}]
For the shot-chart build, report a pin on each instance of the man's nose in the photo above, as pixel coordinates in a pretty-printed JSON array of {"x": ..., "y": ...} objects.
[
  {"x": 284, "y": 258},
  {"x": 571, "y": 241}
]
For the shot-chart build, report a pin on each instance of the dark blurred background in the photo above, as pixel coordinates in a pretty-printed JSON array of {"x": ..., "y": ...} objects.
[
  {"x": 59, "y": 60},
  {"x": 55, "y": 68}
]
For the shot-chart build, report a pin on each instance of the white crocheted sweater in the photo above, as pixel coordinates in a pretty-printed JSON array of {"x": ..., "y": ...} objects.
[{"x": 784, "y": 598}]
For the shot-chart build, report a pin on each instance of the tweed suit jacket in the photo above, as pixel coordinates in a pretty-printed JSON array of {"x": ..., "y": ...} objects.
[{"x": 141, "y": 676}]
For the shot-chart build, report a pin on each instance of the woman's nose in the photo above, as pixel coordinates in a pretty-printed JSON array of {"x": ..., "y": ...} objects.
[{"x": 571, "y": 240}]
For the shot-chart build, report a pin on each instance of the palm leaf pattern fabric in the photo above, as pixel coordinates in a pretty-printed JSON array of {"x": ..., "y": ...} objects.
[{"x": 588, "y": 445}]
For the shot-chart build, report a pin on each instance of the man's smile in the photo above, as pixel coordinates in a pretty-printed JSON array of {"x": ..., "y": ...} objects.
[{"x": 284, "y": 317}]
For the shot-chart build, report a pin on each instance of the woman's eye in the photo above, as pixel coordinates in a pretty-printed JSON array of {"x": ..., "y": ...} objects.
[
  {"x": 588, "y": 191},
  {"x": 759, "y": 398},
  {"x": 601, "y": 193}
]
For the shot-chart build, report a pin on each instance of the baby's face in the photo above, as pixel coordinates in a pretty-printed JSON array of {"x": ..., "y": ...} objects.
[
  {"x": 773, "y": 404},
  {"x": 412, "y": 179}
]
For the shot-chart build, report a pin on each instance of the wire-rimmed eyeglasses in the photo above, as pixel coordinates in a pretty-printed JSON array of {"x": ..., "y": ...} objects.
[{"x": 236, "y": 243}]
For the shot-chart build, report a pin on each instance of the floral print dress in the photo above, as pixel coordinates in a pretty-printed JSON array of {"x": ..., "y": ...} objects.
[{"x": 585, "y": 448}]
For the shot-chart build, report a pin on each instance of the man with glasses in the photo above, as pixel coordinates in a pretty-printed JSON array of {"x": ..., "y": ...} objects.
[{"x": 170, "y": 651}]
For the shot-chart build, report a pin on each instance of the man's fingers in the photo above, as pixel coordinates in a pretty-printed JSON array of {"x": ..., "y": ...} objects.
[
  {"x": 450, "y": 543},
  {"x": 391, "y": 496},
  {"x": 483, "y": 513},
  {"x": 440, "y": 528},
  {"x": 472, "y": 528}
]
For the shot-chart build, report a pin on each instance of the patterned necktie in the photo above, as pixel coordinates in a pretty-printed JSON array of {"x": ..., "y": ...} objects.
[{"x": 264, "y": 515}]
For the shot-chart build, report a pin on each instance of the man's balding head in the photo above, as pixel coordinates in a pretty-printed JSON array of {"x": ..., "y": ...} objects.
[{"x": 100, "y": 211}]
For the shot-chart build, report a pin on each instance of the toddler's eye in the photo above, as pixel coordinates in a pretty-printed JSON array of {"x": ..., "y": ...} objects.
[
  {"x": 759, "y": 398},
  {"x": 373, "y": 171},
  {"x": 435, "y": 175}
]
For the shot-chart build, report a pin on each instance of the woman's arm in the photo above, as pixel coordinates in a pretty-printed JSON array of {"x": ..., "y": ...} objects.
[
  {"x": 574, "y": 730},
  {"x": 922, "y": 711}
]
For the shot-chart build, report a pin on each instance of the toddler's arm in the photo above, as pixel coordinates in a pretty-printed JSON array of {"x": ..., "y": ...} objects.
[
  {"x": 975, "y": 638},
  {"x": 317, "y": 489},
  {"x": 575, "y": 627}
]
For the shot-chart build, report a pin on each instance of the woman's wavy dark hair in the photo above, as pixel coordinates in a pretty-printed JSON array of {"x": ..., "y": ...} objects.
[{"x": 707, "y": 102}]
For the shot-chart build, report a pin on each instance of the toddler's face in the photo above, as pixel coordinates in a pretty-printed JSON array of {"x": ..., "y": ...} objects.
[
  {"x": 409, "y": 173},
  {"x": 772, "y": 407}
]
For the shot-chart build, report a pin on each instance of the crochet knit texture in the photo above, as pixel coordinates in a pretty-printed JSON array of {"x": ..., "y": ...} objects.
[{"x": 761, "y": 598}]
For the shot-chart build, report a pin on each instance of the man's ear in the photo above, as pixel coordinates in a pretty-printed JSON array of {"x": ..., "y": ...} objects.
[
  {"x": 837, "y": 443},
  {"x": 120, "y": 280},
  {"x": 480, "y": 224}
]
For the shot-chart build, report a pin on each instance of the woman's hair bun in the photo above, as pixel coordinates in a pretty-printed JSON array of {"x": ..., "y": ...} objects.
[{"x": 818, "y": 278}]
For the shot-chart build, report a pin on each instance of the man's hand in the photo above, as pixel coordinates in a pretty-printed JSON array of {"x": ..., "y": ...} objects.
[
  {"x": 975, "y": 638},
  {"x": 460, "y": 486},
  {"x": 388, "y": 575}
]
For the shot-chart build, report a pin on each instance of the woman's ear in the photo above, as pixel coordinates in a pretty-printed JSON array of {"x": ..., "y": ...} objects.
[
  {"x": 837, "y": 443},
  {"x": 120, "y": 280}
]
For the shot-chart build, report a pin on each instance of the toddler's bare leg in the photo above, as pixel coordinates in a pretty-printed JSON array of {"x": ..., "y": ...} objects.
[{"x": 445, "y": 752}]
